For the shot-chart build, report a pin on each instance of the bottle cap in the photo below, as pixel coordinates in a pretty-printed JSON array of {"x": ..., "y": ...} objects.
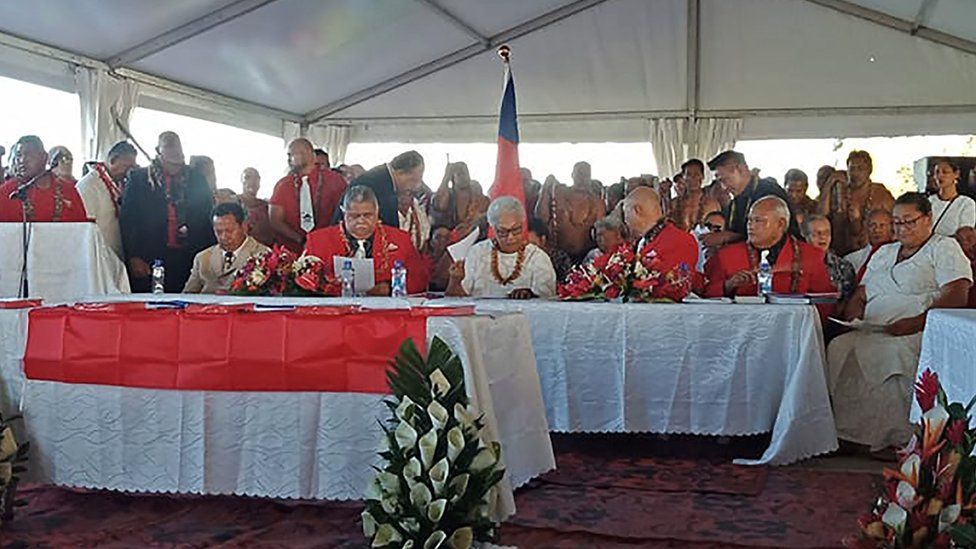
[
  {"x": 158, "y": 263},
  {"x": 398, "y": 264},
  {"x": 347, "y": 264}
]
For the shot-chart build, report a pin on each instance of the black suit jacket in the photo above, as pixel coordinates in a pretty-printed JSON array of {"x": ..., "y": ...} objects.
[
  {"x": 381, "y": 182},
  {"x": 143, "y": 216}
]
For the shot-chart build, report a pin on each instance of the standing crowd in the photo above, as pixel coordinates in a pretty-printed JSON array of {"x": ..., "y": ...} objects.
[{"x": 887, "y": 260}]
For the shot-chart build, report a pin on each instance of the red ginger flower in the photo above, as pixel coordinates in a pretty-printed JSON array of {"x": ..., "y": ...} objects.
[
  {"x": 927, "y": 390},
  {"x": 956, "y": 431}
]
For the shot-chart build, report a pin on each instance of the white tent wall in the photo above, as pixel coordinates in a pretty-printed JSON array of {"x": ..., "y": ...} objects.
[{"x": 586, "y": 70}]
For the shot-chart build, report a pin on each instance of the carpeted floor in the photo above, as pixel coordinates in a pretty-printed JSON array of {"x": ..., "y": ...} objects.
[{"x": 610, "y": 492}]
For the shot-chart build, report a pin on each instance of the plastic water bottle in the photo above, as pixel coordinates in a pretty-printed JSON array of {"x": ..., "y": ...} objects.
[
  {"x": 398, "y": 281},
  {"x": 348, "y": 277},
  {"x": 765, "y": 275},
  {"x": 158, "y": 277}
]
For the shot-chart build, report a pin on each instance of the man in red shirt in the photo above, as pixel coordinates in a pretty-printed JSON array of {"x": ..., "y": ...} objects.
[
  {"x": 360, "y": 234},
  {"x": 645, "y": 220},
  {"x": 798, "y": 267},
  {"x": 305, "y": 199},
  {"x": 48, "y": 198}
]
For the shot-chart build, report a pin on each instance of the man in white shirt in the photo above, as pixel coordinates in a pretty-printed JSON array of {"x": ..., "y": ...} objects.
[
  {"x": 506, "y": 265},
  {"x": 214, "y": 268},
  {"x": 101, "y": 191}
]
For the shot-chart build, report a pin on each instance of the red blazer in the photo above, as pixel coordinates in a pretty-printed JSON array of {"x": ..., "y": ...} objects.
[
  {"x": 329, "y": 242},
  {"x": 73, "y": 209},
  {"x": 674, "y": 247},
  {"x": 735, "y": 257}
]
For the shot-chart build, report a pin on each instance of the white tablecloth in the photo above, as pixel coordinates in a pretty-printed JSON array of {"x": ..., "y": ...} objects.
[
  {"x": 274, "y": 444},
  {"x": 65, "y": 261},
  {"x": 949, "y": 349},
  {"x": 699, "y": 369}
]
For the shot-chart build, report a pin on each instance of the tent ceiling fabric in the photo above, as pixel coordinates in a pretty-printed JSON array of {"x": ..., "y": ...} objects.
[{"x": 784, "y": 66}]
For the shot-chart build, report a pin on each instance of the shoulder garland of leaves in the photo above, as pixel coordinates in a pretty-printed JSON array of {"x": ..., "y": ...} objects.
[
  {"x": 13, "y": 459},
  {"x": 437, "y": 487}
]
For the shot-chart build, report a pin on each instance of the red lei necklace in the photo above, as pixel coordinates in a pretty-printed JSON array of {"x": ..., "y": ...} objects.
[
  {"x": 795, "y": 266},
  {"x": 516, "y": 272},
  {"x": 58, "y": 201},
  {"x": 379, "y": 244},
  {"x": 114, "y": 191}
]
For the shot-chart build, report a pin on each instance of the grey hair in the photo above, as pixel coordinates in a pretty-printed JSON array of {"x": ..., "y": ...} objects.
[
  {"x": 359, "y": 193},
  {"x": 781, "y": 208},
  {"x": 503, "y": 205},
  {"x": 805, "y": 226},
  {"x": 610, "y": 223}
]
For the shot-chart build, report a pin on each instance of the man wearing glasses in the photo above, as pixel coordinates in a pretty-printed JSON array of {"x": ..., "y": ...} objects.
[
  {"x": 506, "y": 265},
  {"x": 361, "y": 235},
  {"x": 798, "y": 267}
]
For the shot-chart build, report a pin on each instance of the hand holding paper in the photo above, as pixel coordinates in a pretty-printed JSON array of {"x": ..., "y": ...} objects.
[{"x": 459, "y": 250}]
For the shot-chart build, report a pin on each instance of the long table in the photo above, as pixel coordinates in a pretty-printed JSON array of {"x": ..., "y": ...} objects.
[
  {"x": 949, "y": 349},
  {"x": 693, "y": 369},
  {"x": 285, "y": 444}
]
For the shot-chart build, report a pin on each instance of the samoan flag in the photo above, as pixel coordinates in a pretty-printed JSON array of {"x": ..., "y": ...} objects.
[{"x": 508, "y": 179}]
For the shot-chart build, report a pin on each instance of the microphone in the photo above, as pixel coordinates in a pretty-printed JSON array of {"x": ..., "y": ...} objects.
[{"x": 21, "y": 192}]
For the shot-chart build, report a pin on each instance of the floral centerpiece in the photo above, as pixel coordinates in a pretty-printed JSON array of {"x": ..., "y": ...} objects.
[
  {"x": 623, "y": 274},
  {"x": 279, "y": 272},
  {"x": 929, "y": 500},
  {"x": 12, "y": 459},
  {"x": 437, "y": 486}
]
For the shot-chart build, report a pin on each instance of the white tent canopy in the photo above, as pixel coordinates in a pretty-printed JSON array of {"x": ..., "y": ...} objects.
[{"x": 586, "y": 70}]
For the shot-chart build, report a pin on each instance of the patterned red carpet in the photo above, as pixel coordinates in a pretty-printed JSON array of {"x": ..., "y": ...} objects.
[{"x": 610, "y": 492}]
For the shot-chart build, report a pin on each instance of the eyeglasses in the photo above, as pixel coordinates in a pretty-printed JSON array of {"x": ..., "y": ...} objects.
[
  {"x": 714, "y": 228},
  {"x": 906, "y": 223},
  {"x": 505, "y": 233}
]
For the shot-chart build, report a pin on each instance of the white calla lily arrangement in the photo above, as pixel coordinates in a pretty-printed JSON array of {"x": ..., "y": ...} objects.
[{"x": 437, "y": 487}]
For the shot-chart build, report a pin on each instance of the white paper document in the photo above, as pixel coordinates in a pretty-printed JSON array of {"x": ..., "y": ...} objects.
[
  {"x": 858, "y": 324},
  {"x": 693, "y": 298},
  {"x": 364, "y": 276},
  {"x": 459, "y": 250}
]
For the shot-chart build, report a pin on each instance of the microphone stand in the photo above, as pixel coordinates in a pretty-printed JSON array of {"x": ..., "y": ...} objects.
[{"x": 26, "y": 225}]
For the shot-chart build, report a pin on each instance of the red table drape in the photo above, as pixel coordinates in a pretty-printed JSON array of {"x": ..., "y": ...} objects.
[{"x": 214, "y": 347}]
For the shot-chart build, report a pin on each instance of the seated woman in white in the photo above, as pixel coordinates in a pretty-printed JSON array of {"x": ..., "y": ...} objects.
[
  {"x": 950, "y": 210},
  {"x": 507, "y": 265},
  {"x": 871, "y": 373}
]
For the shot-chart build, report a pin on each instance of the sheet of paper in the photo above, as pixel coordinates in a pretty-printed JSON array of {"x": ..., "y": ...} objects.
[
  {"x": 858, "y": 324},
  {"x": 693, "y": 298},
  {"x": 364, "y": 276},
  {"x": 459, "y": 250}
]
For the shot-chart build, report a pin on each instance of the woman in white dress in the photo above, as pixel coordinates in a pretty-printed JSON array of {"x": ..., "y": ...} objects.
[
  {"x": 950, "y": 210},
  {"x": 871, "y": 371},
  {"x": 506, "y": 265}
]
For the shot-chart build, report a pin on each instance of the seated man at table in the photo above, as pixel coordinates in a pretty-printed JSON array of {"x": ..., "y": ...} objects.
[
  {"x": 506, "y": 265},
  {"x": 214, "y": 268},
  {"x": 798, "y": 267},
  {"x": 361, "y": 235},
  {"x": 644, "y": 219},
  {"x": 870, "y": 373},
  {"x": 43, "y": 196}
]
